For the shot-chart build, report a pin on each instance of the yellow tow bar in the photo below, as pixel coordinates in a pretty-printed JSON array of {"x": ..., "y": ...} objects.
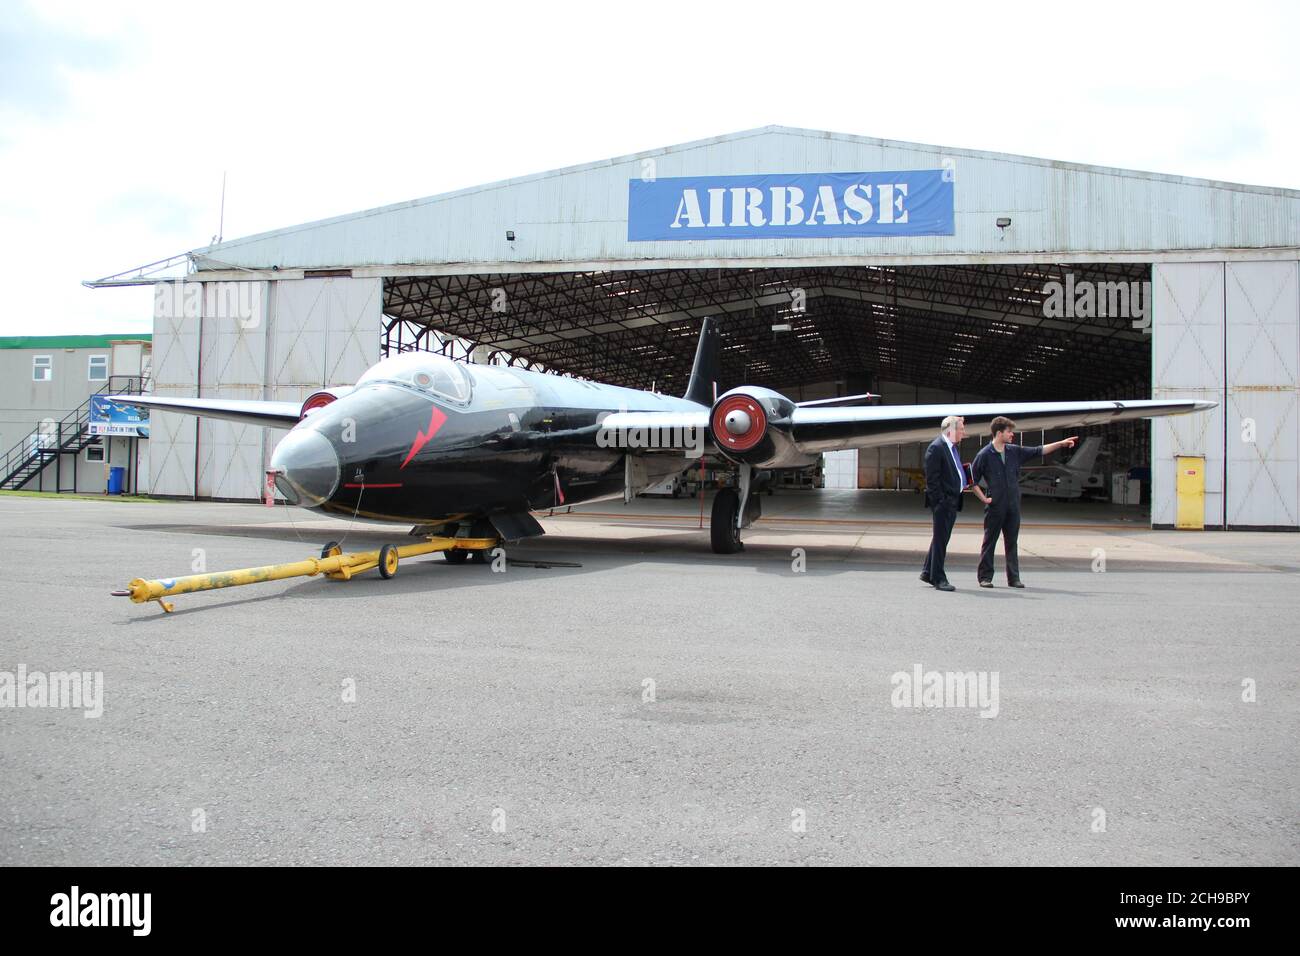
[{"x": 334, "y": 564}]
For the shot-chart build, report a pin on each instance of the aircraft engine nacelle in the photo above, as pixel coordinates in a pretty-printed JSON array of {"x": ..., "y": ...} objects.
[
  {"x": 752, "y": 425},
  {"x": 321, "y": 398}
]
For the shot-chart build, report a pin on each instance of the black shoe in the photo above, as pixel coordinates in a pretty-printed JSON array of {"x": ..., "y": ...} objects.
[
  {"x": 986, "y": 584},
  {"x": 926, "y": 579},
  {"x": 1015, "y": 584},
  {"x": 944, "y": 586}
]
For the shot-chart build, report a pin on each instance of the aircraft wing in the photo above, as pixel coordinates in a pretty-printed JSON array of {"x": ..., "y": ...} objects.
[
  {"x": 817, "y": 429},
  {"x": 831, "y": 429},
  {"x": 247, "y": 412}
]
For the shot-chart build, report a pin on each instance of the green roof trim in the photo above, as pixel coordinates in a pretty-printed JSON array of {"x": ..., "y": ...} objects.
[{"x": 70, "y": 341}]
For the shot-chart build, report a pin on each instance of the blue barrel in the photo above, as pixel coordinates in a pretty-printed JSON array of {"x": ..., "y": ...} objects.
[{"x": 116, "y": 479}]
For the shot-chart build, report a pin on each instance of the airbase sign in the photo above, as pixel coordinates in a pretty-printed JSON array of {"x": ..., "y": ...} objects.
[{"x": 916, "y": 202}]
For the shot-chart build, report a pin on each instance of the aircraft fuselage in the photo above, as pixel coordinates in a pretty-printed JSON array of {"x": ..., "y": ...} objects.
[{"x": 500, "y": 440}]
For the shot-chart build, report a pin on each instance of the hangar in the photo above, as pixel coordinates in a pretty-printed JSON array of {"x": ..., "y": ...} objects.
[{"x": 839, "y": 264}]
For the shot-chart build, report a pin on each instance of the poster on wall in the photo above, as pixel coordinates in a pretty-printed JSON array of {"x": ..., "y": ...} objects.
[{"x": 108, "y": 417}]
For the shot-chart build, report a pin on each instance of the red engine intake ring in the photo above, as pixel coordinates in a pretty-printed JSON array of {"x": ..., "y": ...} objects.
[
  {"x": 315, "y": 401},
  {"x": 757, "y": 423}
]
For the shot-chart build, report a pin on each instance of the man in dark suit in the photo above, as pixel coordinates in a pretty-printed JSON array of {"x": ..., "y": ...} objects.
[
  {"x": 945, "y": 480},
  {"x": 998, "y": 466}
]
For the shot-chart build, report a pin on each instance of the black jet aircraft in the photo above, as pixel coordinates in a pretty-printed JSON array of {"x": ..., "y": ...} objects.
[{"x": 475, "y": 449}]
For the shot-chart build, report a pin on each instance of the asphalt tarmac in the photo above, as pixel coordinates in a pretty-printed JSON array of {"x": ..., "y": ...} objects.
[{"x": 659, "y": 704}]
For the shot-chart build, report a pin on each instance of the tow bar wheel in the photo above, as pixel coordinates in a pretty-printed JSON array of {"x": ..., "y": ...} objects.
[
  {"x": 331, "y": 550},
  {"x": 388, "y": 561}
]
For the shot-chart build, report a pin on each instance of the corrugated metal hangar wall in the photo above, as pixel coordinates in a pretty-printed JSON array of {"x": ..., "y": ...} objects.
[
  {"x": 579, "y": 216},
  {"x": 1230, "y": 332},
  {"x": 277, "y": 341}
]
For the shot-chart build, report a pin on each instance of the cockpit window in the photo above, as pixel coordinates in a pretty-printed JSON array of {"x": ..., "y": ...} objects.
[{"x": 424, "y": 371}]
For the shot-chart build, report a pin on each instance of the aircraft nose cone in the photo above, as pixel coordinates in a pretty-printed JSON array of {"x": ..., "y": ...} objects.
[
  {"x": 737, "y": 422},
  {"x": 306, "y": 466}
]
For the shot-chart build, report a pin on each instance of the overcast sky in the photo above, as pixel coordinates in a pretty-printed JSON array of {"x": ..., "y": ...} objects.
[{"x": 117, "y": 122}]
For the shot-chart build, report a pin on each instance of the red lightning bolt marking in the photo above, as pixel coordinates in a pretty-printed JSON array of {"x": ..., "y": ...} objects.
[{"x": 436, "y": 420}]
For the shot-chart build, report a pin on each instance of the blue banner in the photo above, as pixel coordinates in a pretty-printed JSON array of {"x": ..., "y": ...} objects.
[
  {"x": 112, "y": 418},
  {"x": 917, "y": 202}
]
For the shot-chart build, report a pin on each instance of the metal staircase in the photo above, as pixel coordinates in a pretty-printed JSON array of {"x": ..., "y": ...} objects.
[{"x": 50, "y": 440}]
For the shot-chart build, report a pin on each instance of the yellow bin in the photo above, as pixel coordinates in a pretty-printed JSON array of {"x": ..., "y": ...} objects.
[{"x": 1191, "y": 493}]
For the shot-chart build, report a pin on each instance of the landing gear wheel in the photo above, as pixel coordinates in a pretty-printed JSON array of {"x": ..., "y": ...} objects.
[
  {"x": 455, "y": 556},
  {"x": 388, "y": 561},
  {"x": 723, "y": 533},
  {"x": 333, "y": 549}
]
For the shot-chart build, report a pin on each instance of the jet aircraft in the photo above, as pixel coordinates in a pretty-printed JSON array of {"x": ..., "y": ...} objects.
[{"x": 1065, "y": 480}]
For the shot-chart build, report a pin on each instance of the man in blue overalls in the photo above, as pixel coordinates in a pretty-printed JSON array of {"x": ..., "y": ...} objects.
[{"x": 998, "y": 465}]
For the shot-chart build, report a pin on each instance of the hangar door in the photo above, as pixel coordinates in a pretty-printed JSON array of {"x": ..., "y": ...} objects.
[
  {"x": 1187, "y": 363},
  {"x": 1263, "y": 417},
  {"x": 1229, "y": 332},
  {"x": 249, "y": 340}
]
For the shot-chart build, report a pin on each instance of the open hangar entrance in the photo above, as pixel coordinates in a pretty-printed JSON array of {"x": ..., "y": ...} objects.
[{"x": 912, "y": 334}]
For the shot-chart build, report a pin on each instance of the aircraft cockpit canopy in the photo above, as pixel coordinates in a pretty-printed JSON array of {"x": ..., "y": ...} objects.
[{"x": 423, "y": 371}]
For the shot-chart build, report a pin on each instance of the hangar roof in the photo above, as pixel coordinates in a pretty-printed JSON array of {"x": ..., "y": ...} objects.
[{"x": 577, "y": 217}]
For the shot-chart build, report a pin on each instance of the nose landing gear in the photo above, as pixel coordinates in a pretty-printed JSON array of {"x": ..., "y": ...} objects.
[{"x": 733, "y": 509}]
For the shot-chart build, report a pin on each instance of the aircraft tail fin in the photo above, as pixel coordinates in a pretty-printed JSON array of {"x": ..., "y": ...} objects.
[
  {"x": 1085, "y": 456},
  {"x": 702, "y": 388}
]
